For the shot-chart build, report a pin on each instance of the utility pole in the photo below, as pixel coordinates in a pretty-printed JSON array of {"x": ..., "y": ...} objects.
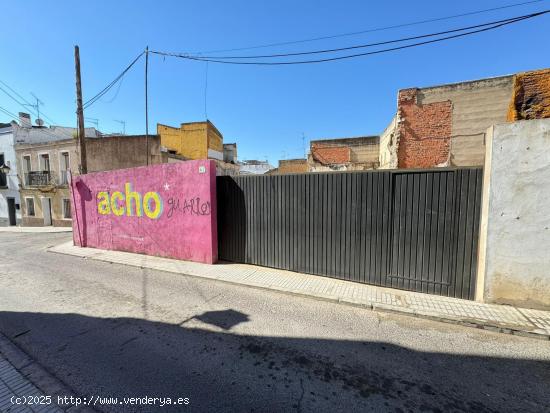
[
  {"x": 146, "y": 108},
  {"x": 80, "y": 114}
]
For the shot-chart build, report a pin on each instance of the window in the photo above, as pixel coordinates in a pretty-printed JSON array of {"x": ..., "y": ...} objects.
[
  {"x": 66, "y": 208},
  {"x": 3, "y": 179},
  {"x": 26, "y": 163},
  {"x": 45, "y": 162},
  {"x": 30, "y": 206},
  {"x": 64, "y": 166},
  {"x": 65, "y": 161}
]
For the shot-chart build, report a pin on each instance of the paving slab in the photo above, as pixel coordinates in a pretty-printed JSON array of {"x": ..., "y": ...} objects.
[
  {"x": 494, "y": 317},
  {"x": 48, "y": 229},
  {"x": 25, "y": 385}
]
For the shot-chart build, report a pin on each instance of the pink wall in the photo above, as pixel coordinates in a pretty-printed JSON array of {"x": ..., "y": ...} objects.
[{"x": 176, "y": 216}]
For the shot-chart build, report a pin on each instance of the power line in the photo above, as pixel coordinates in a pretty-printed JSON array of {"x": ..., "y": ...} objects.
[
  {"x": 26, "y": 102},
  {"x": 494, "y": 26},
  {"x": 95, "y": 98},
  {"x": 397, "y": 26},
  {"x": 16, "y": 118},
  {"x": 7, "y": 112},
  {"x": 512, "y": 19}
]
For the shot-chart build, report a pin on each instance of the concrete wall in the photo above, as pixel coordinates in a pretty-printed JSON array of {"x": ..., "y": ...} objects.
[
  {"x": 254, "y": 167},
  {"x": 176, "y": 216},
  {"x": 514, "y": 254},
  {"x": 11, "y": 190},
  {"x": 119, "y": 152},
  {"x": 230, "y": 152}
]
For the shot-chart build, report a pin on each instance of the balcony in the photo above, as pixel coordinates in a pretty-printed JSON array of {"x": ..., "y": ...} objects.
[
  {"x": 39, "y": 178},
  {"x": 47, "y": 178}
]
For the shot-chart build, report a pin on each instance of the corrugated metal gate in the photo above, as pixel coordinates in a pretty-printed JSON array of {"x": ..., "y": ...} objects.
[{"x": 414, "y": 230}]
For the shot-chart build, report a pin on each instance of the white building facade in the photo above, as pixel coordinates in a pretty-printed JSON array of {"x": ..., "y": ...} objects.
[{"x": 10, "y": 204}]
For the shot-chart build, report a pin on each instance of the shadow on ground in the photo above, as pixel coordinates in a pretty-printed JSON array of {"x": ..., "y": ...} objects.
[{"x": 223, "y": 371}]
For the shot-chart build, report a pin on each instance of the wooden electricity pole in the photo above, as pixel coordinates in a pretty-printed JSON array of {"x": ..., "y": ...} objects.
[
  {"x": 80, "y": 114},
  {"x": 146, "y": 107}
]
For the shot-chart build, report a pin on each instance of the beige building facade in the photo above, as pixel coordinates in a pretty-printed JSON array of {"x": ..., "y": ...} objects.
[{"x": 43, "y": 168}]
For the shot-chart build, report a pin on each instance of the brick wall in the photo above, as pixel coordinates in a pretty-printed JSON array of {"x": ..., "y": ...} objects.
[
  {"x": 531, "y": 96},
  {"x": 330, "y": 154},
  {"x": 424, "y": 131}
]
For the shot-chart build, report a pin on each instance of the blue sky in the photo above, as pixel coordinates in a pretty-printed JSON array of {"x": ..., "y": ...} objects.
[{"x": 266, "y": 110}]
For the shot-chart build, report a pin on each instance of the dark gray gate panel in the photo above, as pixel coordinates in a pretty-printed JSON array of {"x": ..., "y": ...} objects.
[{"x": 414, "y": 230}]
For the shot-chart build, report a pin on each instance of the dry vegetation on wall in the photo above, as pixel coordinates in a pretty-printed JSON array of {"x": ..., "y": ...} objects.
[{"x": 531, "y": 96}]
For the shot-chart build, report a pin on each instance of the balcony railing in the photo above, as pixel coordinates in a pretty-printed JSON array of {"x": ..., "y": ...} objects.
[
  {"x": 39, "y": 178},
  {"x": 46, "y": 178}
]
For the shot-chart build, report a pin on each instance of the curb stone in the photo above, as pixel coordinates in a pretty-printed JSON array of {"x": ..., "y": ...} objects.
[
  {"x": 38, "y": 375},
  {"x": 529, "y": 329}
]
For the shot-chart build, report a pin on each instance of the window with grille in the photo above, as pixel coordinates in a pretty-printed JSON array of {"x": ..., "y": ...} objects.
[
  {"x": 66, "y": 208},
  {"x": 30, "y": 206}
]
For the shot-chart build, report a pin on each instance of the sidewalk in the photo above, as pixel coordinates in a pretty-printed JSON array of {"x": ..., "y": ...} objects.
[
  {"x": 35, "y": 229},
  {"x": 21, "y": 377},
  {"x": 501, "y": 318}
]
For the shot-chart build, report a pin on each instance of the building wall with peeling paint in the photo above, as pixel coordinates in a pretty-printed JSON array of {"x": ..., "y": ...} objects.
[{"x": 514, "y": 245}]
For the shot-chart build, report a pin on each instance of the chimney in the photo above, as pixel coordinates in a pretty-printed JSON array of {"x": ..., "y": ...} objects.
[{"x": 25, "y": 120}]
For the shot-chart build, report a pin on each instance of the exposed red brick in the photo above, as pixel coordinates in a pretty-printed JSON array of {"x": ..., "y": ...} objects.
[
  {"x": 424, "y": 131},
  {"x": 328, "y": 155}
]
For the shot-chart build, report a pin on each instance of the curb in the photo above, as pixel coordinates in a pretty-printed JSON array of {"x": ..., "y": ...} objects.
[
  {"x": 472, "y": 323},
  {"x": 38, "y": 375}
]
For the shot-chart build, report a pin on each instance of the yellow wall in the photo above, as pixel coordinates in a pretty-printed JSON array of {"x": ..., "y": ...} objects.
[
  {"x": 215, "y": 140},
  {"x": 191, "y": 140}
]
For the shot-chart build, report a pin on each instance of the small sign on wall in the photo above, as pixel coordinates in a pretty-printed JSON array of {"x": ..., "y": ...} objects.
[{"x": 202, "y": 169}]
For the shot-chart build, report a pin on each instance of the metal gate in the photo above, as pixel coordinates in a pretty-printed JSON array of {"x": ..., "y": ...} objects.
[{"x": 413, "y": 230}]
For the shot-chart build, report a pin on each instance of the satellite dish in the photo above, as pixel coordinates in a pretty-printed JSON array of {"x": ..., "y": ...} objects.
[{"x": 39, "y": 122}]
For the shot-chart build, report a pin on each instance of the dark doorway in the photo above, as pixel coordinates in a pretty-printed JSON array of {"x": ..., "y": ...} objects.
[{"x": 11, "y": 211}]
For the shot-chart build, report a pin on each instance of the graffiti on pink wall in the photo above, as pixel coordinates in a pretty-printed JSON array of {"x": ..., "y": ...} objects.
[{"x": 168, "y": 210}]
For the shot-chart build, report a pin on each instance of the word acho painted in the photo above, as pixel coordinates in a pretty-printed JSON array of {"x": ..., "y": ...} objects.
[
  {"x": 167, "y": 210},
  {"x": 130, "y": 203}
]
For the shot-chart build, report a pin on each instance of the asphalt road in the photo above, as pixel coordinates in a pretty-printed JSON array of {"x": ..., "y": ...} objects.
[{"x": 113, "y": 331}]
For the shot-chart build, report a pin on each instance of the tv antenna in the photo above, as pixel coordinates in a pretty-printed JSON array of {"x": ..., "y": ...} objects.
[
  {"x": 123, "y": 123},
  {"x": 35, "y": 106},
  {"x": 93, "y": 121}
]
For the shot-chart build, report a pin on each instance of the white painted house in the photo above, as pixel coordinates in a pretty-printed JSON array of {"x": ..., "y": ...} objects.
[{"x": 10, "y": 210}]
